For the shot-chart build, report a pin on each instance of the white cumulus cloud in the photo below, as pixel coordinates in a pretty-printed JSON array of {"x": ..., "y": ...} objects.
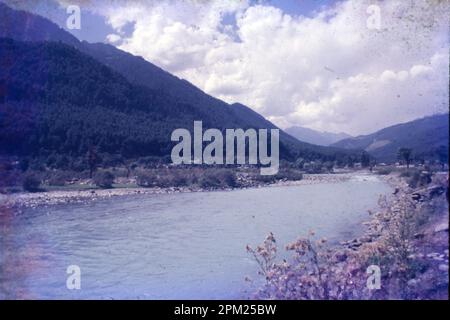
[{"x": 329, "y": 71}]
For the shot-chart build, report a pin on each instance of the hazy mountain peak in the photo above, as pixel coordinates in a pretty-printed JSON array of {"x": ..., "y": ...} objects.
[
  {"x": 316, "y": 137},
  {"x": 427, "y": 137}
]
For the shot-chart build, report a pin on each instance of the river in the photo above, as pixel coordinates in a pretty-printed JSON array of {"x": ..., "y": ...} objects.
[{"x": 172, "y": 246}]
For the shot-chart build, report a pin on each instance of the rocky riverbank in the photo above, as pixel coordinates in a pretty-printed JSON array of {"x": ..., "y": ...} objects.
[
  {"x": 406, "y": 238},
  {"x": 409, "y": 235},
  {"x": 48, "y": 198}
]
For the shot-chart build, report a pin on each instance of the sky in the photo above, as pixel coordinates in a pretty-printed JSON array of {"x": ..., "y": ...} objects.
[{"x": 352, "y": 66}]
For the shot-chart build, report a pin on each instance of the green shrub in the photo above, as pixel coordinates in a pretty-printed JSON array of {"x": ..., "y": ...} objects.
[
  {"x": 165, "y": 180},
  {"x": 58, "y": 178},
  {"x": 174, "y": 177},
  {"x": 218, "y": 178},
  {"x": 314, "y": 168},
  {"x": 384, "y": 170},
  {"x": 265, "y": 179},
  {"x": 146, "y": 179},
  {"x": 120, "y": 172},
  {"x": 284, "y": 174},
  {"x": 227, "y": 177},
  {"x": 177, "y": 178},
  {"x": 289, "y": 174},
  {"x": 31, "y": 183},
  {"x": 419, "y": 179},
  {"x": 209, "y": 181},
  {"x": 407, "y": 173},
  {"x": 104, "y": 179}
]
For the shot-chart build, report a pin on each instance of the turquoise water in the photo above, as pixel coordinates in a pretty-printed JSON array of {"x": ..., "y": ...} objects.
[{"x": 172, "y": 246}]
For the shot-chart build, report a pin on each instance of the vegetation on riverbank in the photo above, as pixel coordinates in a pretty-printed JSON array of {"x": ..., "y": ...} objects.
[
  {"x": 107, "y": 171},
  {"x": 407, "y": 239},
  {"x": 18, "y": 177},
  {"x": 194, "y": 178}
]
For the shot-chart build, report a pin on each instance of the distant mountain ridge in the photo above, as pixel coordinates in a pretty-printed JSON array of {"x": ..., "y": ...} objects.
[
  {"x": 428, "y": 138},
  {"x": 69, "y": 92},
  {"x": 316, "y": 137}
]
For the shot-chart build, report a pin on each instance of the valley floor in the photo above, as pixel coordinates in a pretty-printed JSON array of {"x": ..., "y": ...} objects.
[{"x": 83, "y": 193}]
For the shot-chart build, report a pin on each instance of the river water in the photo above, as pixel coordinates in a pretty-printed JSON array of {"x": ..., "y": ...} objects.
[{"x": 172, "y": 246}]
